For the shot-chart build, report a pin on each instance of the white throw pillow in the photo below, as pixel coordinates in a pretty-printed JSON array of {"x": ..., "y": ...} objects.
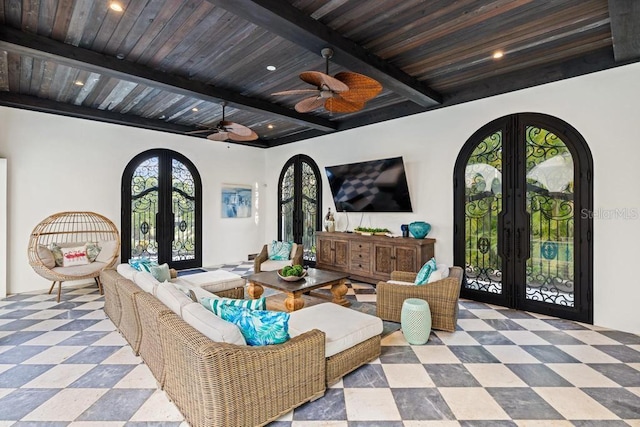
[
  {"x": 435, "y": 276},
  {"x": 46, "y": 256},
  {"x": 74, "y": 256},
  {"x": 443, "y": 269},
  {"x": 107, "y": 250}
]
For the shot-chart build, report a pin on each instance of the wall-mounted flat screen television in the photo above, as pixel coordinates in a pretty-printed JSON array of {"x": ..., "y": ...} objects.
[{"x": 372, "y": 186}]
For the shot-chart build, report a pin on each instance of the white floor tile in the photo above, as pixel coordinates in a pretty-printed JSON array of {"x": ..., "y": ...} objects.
[
  {"x": 60, "y": 376},
  {"x": 286, "y": 417},
  {"x": 474, "y": 325},
  {"x": 97, "y": 424},
  {"x": 103, "y": 326},
  {"x": 407, "y": 375},
  {"x": 394, "y": 338},
  {"x": 543, "y": 423},
  {"x": 366, "y": 297},
  {"x": 44, "y": 305},
  {"x": 472, "y": 403},
  {"x": 93, "y": 305},
  {"x": 574, "y": 404},
  {"x": 456, "y": 338},
  {"x": 94, "y": 315},
  {"x": 44, "y": 314},
  {"x": 634, "y": 365},
  {"x": 487, "y": 314},
  {"x": 157, "y": 408},
  {"x": 5, "y": 391},
  {"x": 67, "y": 405},
  {"x": 581, "y": 375},
  {"x": 124, "y": 356},
  {"x": 48, "y": 325},
  {"x": 436, "y": 354},
  {"x": 510, "y": 354},
  {"x": 634, "y": 390},
  {"x": 367, "y": 404},
  {"x": 54, "y": 355},
  {"x": 5, "y": 367},
  {"x": 587, "y": 354},
  {"x": 113, "y": 338},
  {"x": 139, "y": 377},
  {"x": 524, "y": 338},
  {"x": 494, "y": 375},
  {"x": 535, "y": 325},
  {"x": 592, "y": 337},
  {"x": 4, "y": 348},
  {"x": 435, "y": 423},
  {"x": 319, "y": 424}
]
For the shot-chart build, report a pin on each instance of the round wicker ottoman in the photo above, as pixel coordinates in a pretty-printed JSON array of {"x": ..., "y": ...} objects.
[{"x": 415, "y": 319}]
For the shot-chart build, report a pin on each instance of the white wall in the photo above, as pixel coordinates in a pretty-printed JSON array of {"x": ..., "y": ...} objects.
[
  {"x": 603, "y": 107},
  {"x": 3, "y": 228},
  {"x": 59, "y": 163}
]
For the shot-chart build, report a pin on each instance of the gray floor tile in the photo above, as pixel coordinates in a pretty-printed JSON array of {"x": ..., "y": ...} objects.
[
  {"x": 538, "y": 375},
  {"x": 515, "y": 314},
  {"x": 102, "y": 376},
  {"x": 622, "y": 337},
  {"x": 558, "y": 338},
  {"x": 466, "y": 314},
  {"x": 622, "y": 374},
  {"x": 488, "y": 423},
  {"x": 20, "y": 353},
  {"x": 92, "y": 354},
  {"x": 17, "y": 314},
  {"x": 398, "y": 354},
  {"x": 490, "y": 338},
  {"x": 20, "y": 402},
  {"x": 421, "y": 404},
  {"x": 84, "y": 338},
  {"x": 549, "y": 354},
  {"x": 19, "y": 375},
  {"x": 366, "y": 376},
  {"x": 18, "y": 325},
  {"x": 77, "y": 325},
  {"x": 620, "y": 352},
  {"x": 564, "y": 324},
  {"x": 451, "y": 375},
  {"x": 474, "y": 305},
  {"x": 20, "y": 337},
  {"x": 504, "y": 325},
  {"x": 599, "y": 423},
  {"x": 70, "y": 314},
  {"x": 116, "y": 405},
  {"x": 523, "y": 404},
  {"x": 40, "y": 424},
  {"x": 331, "y": 406},
  {"x": 373, "y": 424},
  {"x": 153, "y": 424},
  {"x": 473, "y": 354},
  {"x": 621, "y": 402}
]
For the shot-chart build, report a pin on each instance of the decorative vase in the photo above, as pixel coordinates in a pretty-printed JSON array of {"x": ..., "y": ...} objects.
[
  {"x": 329, "y": 222},
  {"x": 405, "y": 230},
  {"x": 419, "y": 229},
  {"x": 415, "y": 318}
]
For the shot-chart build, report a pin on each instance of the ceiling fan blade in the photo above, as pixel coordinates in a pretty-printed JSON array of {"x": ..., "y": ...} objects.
[
  {"x": 219, "y": 136},
  {"x": 323, "y": 81},
  {"x": 236, "y": 137},
  {"x": 361, "y": 87},
  {"x": 296, "y": 92},
  {"x": 339, "y": 105},
  {"x": 309, "y": 104},
  {"x": 236, "y": 128},
  {"x": 193, "y": 132}
]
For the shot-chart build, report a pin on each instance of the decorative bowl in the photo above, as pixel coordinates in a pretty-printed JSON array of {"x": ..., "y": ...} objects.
[
  {"x": 419, "y": 229},
  {"x": 291, "y": 278}
]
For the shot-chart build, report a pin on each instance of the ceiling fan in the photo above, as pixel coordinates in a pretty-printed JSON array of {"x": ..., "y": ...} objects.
[
  {"x": 346, "y": 92},
  {"x": 228, "y": 131}
]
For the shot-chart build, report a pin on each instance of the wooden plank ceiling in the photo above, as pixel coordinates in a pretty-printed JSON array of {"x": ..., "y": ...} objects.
[{"x": 169, "y": 65}]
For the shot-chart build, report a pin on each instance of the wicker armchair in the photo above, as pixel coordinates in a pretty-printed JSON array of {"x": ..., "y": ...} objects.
[
  {"x": 441, "y": 295},
  {"x": 263, "y": 257}
]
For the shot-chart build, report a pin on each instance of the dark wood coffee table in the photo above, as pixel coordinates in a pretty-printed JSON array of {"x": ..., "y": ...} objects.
[{"x": 313, "y": 280}]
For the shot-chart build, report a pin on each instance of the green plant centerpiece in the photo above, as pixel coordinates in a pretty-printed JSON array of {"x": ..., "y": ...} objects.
[
  {"x": 370, "y": 231},
  {"x": 292, "y": 272}
]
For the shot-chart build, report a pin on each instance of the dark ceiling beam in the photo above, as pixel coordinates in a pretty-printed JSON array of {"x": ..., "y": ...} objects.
[
  {"x": 27, "y": 102},
  {"x": 597, "y": 61},
  {"x": 625, "y": 28},
  {"x": 47, "y": 49},
  {"x": 279, "y": 17}
]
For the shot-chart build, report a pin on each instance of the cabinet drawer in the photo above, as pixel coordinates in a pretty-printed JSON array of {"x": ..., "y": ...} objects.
[
  {"x": 360, "y": 247},
  {"x": 357, "y": 257},
  {"x": 360, "y": 267}
]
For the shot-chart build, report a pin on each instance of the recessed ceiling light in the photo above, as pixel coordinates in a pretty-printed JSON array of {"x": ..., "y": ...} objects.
[
  {"x": 78, "y": 83},
  {"x": 120, "y": 55},
  {"x": 194, "y": 109},
  {"x": 270, "y": 126},
  {"x": 498, "y": 54},
  {"x": 271, "y": 67},
  {"x": 116, "y": 6}
]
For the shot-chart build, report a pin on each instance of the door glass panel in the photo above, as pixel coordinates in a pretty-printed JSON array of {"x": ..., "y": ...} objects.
[
  {"x": 483, "y": 203},
  {"x": 183, "y": 201},
  {"x": 550, "y": 198},
  {"x": 287, "y": 205},
  {"x": 309, "y": 211},
  {"x": 144, "y": 208}
]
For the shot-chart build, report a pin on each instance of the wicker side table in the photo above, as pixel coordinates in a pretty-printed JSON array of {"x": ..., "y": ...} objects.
[{"x": 415, "y": 318}]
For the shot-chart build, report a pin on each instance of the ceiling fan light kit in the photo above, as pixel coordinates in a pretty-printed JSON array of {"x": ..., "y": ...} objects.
[
  {"x": 346, "y": 92},
  {"x": 228, "y": 131}
]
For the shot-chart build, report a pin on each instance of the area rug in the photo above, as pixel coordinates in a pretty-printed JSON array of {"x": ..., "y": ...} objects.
[{"x": 192, "y": 271}]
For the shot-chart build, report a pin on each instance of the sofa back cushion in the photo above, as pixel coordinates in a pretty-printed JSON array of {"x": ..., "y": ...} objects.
[
  {"x": 210, "y": 325},
  {"x": 126, "y": 271},
  {"x": 146, "y": 282},
  {"x": 170, "y": 296}
]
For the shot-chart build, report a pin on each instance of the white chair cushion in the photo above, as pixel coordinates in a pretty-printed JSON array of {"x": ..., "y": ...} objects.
[
  {"x": 271, "y": 265},
  {"x": 170, "y": 296},
  {"x": 126, "y": 271},
  {"x": 146, "y": 281},
  {"x": 210, "y": 325},
  {"x": 400, "y": 282},
  {"x": 342, "y": 326},
  {"x": 435, "y": 276},
  {"x": 214, "y": 281},
  {"x": 80, "y": 270}
]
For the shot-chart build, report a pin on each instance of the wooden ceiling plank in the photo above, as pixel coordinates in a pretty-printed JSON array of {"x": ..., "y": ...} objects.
[
  {"x": 62, "y": 19},
  {"x": 625, "y": 28},
  {"x": 46, "y": 17},
  {"x": 13, "y": 12},
  {"x": 14, "y": 63},
  {"x": 289, "y": 23},
  {"x": 135, "y": 97},
  {"x": 119, "y": 92},
  {"x": 31, "y": 44},
  {"x": 89, "y": 83},
  {"x": 1, "y": 12},
  {"x": 13, "y": 100},
  {"x": 144, "y": 21},
  {"x": 134, "y": 48},
  {"x": 70, "y": 91},
  {"x": 36, "y": 76},
  {"x": 78, "y": 22},
  {"x": 96, "y": 17},
  {"x": 30, "y": 15},
  {"x": 26, "y": 69},
  {"x": 4, "y": 70},
  {"x": 108, "y": 41}
]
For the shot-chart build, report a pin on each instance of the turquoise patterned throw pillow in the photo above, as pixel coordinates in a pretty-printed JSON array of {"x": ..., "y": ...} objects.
[
  {"x": 92, "y": 251},
  {"x": 214, "y": 304},
  {"x": 259, "y": 327},
  {"x": 142, "y": 264},
  {"x": 280, "y": 251},
  {"x": 426, "y": 270}
]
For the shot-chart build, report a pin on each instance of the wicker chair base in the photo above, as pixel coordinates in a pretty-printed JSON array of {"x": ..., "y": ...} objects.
[
  {"x": 149, "y": 309},
  {"x": 112, "y": 307},
  {"x": 237, "y": 293},
  {"x": 130, "y": 320},
  {"x": 352, "y": 358}
]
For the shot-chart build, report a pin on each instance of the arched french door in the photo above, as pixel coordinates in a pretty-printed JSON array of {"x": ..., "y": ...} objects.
[
  {"x": 300, "y": 204},
  {"x": 523, "y": 194},
  {"x": 162, "y": 209}
]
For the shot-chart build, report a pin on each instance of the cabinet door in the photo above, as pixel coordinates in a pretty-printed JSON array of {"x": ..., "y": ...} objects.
[
  {"x": 406, "y": 259},
  {"x": 324, "y": 253},
  {"x": 383, "y": 259},
  {"x": 341, "y": 253}
]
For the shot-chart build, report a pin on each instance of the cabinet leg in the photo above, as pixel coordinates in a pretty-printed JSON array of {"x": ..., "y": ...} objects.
[
  {"x": 339, "y": 290},
  {"x": 293, "y": 302},
  {"x": 255, "y": 290}
]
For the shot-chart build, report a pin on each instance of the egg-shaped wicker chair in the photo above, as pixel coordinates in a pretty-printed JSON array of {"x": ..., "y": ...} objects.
[{"x": 69, "y": 230}]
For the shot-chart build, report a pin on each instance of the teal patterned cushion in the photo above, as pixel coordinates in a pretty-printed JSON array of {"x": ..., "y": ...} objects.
[
  {"x": 426, "y": 270},
  {"x": 57, "y": 254},
  {"x": 215, "y": 303},
  {"x": 280, "y": 251},
  {"x": 92, "y": 251},
  {"x": 259, "y": 327},
  {"x": 160, "y": 272},
  {"x": 142, "y": 264}
]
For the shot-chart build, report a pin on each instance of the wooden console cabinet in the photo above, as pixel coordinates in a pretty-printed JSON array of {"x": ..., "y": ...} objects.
[{"x": 371, "y": 258}]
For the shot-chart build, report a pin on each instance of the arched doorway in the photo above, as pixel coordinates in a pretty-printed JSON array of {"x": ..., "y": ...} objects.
[
  {"x": 523, "y": 190},
  {"x": 300, "y": 204},
  {"x": 162, "y": 209}
]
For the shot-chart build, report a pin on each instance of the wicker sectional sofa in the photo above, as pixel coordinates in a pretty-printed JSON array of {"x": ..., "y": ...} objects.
[{"x": 215, "y": 383}]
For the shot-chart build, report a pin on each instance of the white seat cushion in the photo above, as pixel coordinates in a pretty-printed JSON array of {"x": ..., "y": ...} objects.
[
  {"x": 271, "y": 265},
  {"x": 80, "y": 270},
  {"x": 173, "y": 298},
  {"x": 210, "y": 325},
  {"x": 126, "y": 271},
  {"x": 400, "y": 282},
  {"x": 342, "y": 326},
  {"x": 146, "y": 281},
  {"x": 214, "y": 281}
]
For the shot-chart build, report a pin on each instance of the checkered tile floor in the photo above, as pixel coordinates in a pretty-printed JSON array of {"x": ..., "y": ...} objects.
[{"x": 63, "y": 364}]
